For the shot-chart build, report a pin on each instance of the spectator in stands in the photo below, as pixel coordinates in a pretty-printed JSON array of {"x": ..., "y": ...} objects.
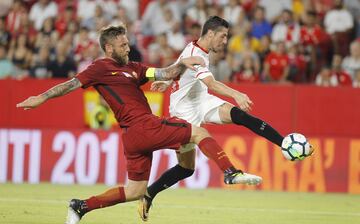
[
  {"x": 197, "y": 13},
  {"x": 274, "y": 8},
  {"x": 321, "y": 7},
  {"x": 5, "y": 36},
  {"x": 260, "y": 27},
  {"x": 86, "y": 9},
  {"x": 81, "y": 42},
  {"x": 233, "y": 12},
  {"x": 6, "y": 66},
  {"x": 109, "y": 8},
  {"x": 326, "y": 78},
  {"x": 356, "y": 82},
  {"x": 354, "y": 9},
  {"x": 20, "y": 52},
  {"x": 5, "y": 6},
  {"x": 98, "y": 20},
  {"x": 132, "y": 9},
  {"x": 62, "y": 66},
  {"x": 175, "y": 38},
  {"x": 64, "y": 19},
  {"x": 316, "y": 43},
  {"x": 42, "y": 10},
  {"x": 26, "y": 27},
  {"x": 264, "y": 49},
  {"x": 339, "y": 23},
  {"x": 344, "y": 79},
  {"x": 160, "y": 53},
  {"x": 48, "y": 29},
  {"x": 40, "y": 63},
  {"x": 153, "y": 21},
  {"x": 193, "y": 32},
  {"x": 14, "y": 16},
  {"x": 286, "y": 30},
  {"x": 276, "y": 66},
  {"x": 297, "y": 64},
  {"x": 246, "y": 73},
  {"x": 351, "y": 63}
]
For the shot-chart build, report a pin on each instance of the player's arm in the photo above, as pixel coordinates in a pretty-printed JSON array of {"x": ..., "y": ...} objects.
[
  {"x": 56, "y": 91},
  {"x": 171, "y": 72},
  {"x": 220, "y": 88}
]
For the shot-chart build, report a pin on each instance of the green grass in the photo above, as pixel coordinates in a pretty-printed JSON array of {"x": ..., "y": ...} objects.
[{"x": 47, "y": 203}]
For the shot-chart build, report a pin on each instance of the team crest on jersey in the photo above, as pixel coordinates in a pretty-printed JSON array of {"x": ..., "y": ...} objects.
[{"x": 135, "y": 74}]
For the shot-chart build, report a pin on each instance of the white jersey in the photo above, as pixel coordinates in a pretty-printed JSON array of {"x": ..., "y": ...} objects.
[{"x": 190, "y": 99}]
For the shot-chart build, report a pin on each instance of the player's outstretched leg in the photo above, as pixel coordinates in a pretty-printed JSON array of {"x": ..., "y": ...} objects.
[
  {"x": 78, "y": 208},
  {"x": 212, "y": 150},
  {"x": 235, "y": 115}
]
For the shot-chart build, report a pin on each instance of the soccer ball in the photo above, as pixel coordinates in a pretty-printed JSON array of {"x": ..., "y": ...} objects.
[{"x": 295, "y": 147}]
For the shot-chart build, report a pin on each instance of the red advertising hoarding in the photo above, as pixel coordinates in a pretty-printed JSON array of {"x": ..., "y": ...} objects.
[{"x": 88, "y": 157}]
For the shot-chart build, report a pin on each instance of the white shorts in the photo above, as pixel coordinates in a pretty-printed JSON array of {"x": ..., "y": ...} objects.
[{"x": 207, "y": 111}]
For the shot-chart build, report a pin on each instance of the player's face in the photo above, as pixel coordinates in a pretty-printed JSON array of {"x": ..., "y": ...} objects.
[
  {"x": 219, "y": 40},
  {"x": 120, "y": 49}
]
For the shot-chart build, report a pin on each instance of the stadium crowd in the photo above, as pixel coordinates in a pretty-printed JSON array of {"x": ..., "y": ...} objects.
[{"x": 277, "y": 41}]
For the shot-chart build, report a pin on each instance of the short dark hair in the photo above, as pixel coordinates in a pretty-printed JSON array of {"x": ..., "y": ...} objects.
[
  {"x": 214, "y": 23},
  {"x": 109, "y": 33}
]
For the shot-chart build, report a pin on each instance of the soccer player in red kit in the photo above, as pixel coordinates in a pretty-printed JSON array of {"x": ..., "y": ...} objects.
[{"x": 119, "y": 81}]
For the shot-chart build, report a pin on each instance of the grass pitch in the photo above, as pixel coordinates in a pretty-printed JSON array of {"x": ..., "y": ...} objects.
[{"x": 45, "y": 203}]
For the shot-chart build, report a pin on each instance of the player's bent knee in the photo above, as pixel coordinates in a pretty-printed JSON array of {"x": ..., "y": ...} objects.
[
  {"x": 135, "y": 190},
  {"x": 198, "y": 134}
]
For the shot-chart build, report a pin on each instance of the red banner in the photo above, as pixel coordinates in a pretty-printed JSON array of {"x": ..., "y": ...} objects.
[{"x": 88, "y": 157}]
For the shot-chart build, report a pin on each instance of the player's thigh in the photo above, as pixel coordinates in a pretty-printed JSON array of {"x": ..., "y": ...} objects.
[
  {"x": 135, "y": 189},
  {"x": 186, "y": 158},
  {"x": 210, "y": 110},
  {"x": 224, "y": 113}
]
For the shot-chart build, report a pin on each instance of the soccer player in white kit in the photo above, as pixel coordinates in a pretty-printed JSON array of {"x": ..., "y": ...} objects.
[{"x": 191, "y": 101}]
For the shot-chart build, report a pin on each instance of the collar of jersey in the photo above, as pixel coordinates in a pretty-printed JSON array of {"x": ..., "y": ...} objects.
[{"x": 196, "y": 45}]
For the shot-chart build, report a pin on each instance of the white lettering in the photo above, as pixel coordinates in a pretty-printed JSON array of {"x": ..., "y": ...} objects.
[{"x": 64, "y": 141}]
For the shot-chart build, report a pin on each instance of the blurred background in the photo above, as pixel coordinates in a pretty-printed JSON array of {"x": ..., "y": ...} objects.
[{"x": 298, "y": 60}]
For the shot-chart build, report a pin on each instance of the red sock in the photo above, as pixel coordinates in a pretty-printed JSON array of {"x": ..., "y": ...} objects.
[
  {"x": 110, "y": 197},
  {"x": 212, "y": 150}
]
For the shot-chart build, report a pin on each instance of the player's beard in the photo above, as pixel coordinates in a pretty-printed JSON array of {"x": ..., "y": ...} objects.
[{"x": 122, "y": 60}]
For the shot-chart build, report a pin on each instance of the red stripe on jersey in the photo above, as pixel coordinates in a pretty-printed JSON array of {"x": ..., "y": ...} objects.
[
  {"x": 192, "y": 51},
  {"x": 175, "y": 87},
  {"x": 197, "y": 75}
]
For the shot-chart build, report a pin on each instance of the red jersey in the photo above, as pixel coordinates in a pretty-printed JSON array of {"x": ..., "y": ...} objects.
[
  {"x": 120, "y": 87},
  {"x": 277, "y": 63}
]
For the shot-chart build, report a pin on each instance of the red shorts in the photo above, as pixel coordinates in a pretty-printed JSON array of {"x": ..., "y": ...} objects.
[{"x": 153, "y": 134}]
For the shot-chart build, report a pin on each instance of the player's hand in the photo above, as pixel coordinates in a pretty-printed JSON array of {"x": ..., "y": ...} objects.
[
  {"x": 31, "y": 102},
  {"x": 159, "y": 86},
  {"x": 190, "y": 62},
  {"x": 243, "y": 101}
]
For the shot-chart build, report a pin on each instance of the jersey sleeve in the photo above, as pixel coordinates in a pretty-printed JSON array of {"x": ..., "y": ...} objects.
[
  {"x": 141, "y": 69},
  {"x": 202, "y": 72},
  {"x": 90, "y": 76}
]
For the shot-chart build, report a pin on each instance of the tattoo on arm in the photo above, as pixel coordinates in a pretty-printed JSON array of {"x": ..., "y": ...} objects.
[
  {"x": 62, "y": 89},
  {"x": 169, "y": 73}
]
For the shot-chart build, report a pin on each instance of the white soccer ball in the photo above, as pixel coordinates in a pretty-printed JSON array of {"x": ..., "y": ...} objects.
[{"x": 295, "y": 147}]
